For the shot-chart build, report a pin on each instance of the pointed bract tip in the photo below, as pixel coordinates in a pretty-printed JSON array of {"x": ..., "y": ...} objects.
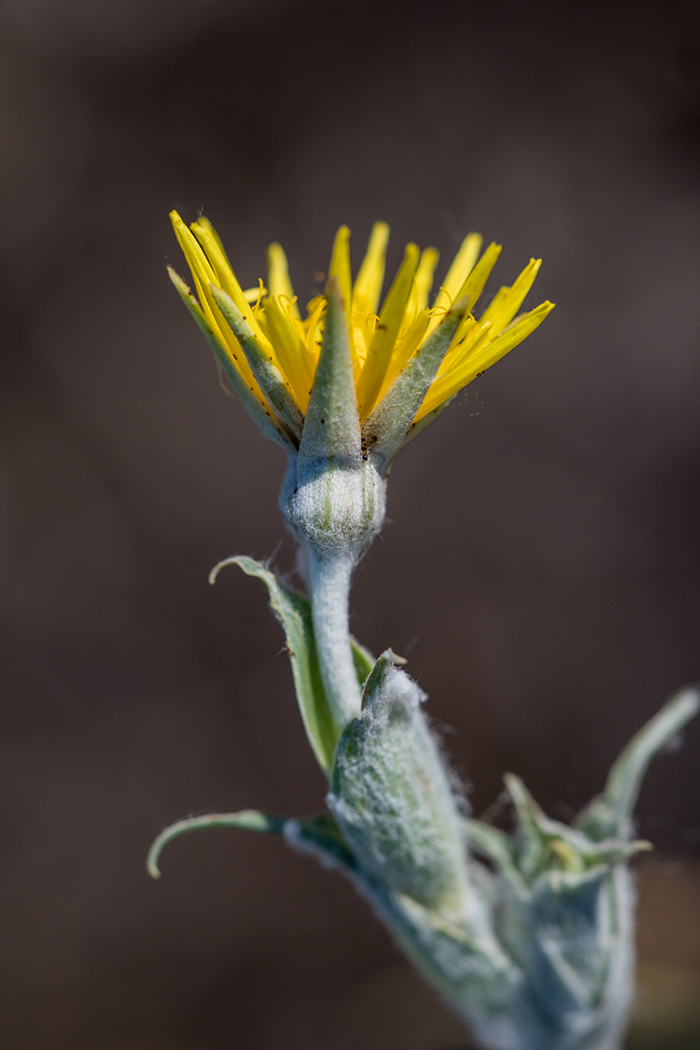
[
  {"x": 176, "y": 279},
  {"x": 153, "y": 870},
  {"x": 332, "y": 290},
  {"x": 393, "y": 658}
]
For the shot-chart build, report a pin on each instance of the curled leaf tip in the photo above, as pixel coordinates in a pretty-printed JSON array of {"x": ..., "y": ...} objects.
[
  {"x": 213, "y": 575},
  {"x": 246, "y": 819}
]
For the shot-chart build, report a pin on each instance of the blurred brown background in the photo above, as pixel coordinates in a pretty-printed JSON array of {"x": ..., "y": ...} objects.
[{"x": 542, "y": 564}]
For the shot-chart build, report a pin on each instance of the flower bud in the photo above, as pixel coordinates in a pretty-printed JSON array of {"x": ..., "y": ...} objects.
[{"x": 392, "y": 796}]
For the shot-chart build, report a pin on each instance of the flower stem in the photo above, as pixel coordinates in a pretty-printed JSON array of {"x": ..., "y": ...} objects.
[{"x": 330, "y": 573}]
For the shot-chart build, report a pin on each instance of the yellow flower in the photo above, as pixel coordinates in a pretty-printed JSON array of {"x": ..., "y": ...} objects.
[{"x": 272, "y": 358}]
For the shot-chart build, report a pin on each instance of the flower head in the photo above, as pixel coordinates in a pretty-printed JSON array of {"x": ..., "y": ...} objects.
[{"x": 408, "y": 357}]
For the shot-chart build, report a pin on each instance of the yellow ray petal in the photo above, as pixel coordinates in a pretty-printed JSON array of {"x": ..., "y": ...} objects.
[
  {"x": 507, "y": 307},
  {"x": 363, "y": 328},
  {"x": 409, "y": 313},
  {"x": 510, "y": 338},
  {"x": 203, "y": 226},
  {"x": 424, "y": 275},
  {"x": 384, "y": 338},
  {"x": 262, "y": 361},
  {"x": 368, "y": 285},
  {"x": 495, "y": 304},
  {"x": 472, "y": 289},
  {"x": 406, "y": 348},
  {"x": 225, "y": 277},
  {"x": 294, "y": 359},
  {"x": 313, "y": 327},
  {"x": 254, "y": 294},
  {"x": 473, "y": 339},
  {"x": 462, "y": 264},
  {"x": 450, "y": 383},
  {"x": 204, "y": 276},
  {"x": 261, "y": 412},
  {"x": 474, "y": 283},
  {"x": 278, "y": 276},
  {"x": 495, "y": 318},
  {"x": 478, "y": 330}
]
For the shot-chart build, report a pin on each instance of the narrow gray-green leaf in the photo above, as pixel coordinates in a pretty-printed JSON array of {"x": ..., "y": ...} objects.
[
  {"x": 293, "y": 610},
  {"x": 294, "y": 613},
  {"x": 247, "y": 819},
  {"x": 610, "y": 814},
  {"x": 319, "y": 835}
]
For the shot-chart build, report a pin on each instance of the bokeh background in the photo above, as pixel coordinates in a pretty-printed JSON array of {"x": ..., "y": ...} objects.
[{"x": 541, "y": 567}]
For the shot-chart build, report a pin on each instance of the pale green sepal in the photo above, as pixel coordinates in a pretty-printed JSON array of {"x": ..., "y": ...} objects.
[
  {"x": 332, "y": 424},
  {"x": 248, "y": 819},
  {"x": 271, "y": 427},
  {"x": 383, "y": 433},
  {"x": 610, "y": 814},
  {"x": 392, "y": 798},
  {"x": 293, "y": 610},
  {"x": 268, "y": 375}
]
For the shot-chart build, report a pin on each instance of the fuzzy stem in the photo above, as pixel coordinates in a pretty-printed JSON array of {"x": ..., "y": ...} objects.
[{"x": 330, "y": 573}]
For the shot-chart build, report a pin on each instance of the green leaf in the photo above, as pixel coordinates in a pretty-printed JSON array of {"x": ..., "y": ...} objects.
[
  {"x": 248, "y": 819},
  {"x": 293, "y": 610},
  {"x": 610, "y": 814},
  {"x": 319, "y": 835}
]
